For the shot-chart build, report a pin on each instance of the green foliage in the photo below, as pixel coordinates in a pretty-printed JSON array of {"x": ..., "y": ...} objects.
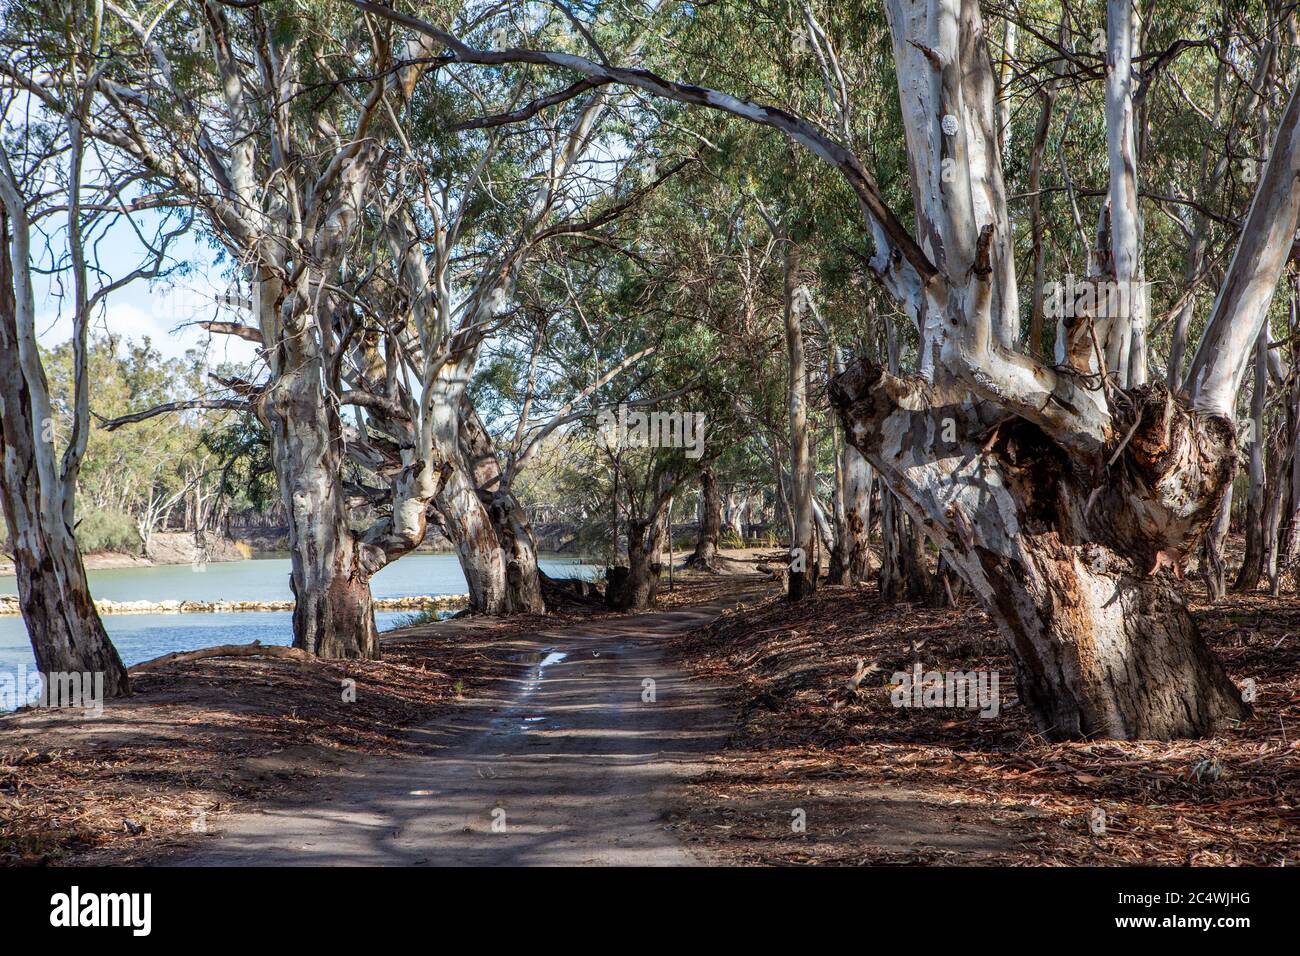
[{"x": 103, "y": 530}]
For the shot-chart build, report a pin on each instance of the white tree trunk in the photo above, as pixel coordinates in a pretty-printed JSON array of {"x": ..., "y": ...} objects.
[
  {"x": 1065, "y": 560},
  {"x": 66, "y": 633},
  {"x": 804, "y": 553},
  {"x": 1061, "y": 510}
]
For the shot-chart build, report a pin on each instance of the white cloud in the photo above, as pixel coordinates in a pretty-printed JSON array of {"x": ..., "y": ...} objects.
[{"x": 166, "y": 315}]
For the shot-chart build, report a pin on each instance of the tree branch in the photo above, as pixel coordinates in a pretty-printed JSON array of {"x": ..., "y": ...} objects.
[{"x": 113, "y": 424}]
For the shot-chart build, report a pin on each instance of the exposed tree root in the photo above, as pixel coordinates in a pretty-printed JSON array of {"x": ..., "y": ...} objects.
[{"x": 255, "y": 649}]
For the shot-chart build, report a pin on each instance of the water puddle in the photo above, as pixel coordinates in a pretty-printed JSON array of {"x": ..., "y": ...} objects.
[
  {"x": 542, "y": 659},
  {"x": 554, "y": 657}
]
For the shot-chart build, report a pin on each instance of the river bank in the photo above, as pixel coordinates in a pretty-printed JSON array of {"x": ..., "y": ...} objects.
[
  {"x": 172, "y": 548},
  {"x": 151, "y": 611},
  {"x": 9, "y": 605}
]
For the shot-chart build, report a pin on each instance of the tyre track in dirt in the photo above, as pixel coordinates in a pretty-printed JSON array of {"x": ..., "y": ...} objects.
[{"x": 576, "y": 765}]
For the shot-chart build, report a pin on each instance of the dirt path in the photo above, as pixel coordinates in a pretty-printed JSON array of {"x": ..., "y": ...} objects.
[{"x": 575, "y": 767}]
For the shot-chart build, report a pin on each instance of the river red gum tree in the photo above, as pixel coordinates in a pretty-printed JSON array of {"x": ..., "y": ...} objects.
[
  {"x": 66, "y": 633},
  {"x": 1064, "y": 499},
  {"x": 218, "y": 115}
]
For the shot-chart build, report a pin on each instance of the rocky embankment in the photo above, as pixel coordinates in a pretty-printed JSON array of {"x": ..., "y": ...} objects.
[
  {"x": 166, "y": 547},
  {"x": 442, "y": 602}
]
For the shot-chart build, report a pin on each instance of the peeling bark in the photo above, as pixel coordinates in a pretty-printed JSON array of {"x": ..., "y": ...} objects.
[
  {"x": 1067, "y": 556},
  {"x": 851, "y": 558},
  {"x": 330, "y": 569},
  {"x": 66, "y": 633},
  {"x": 1063, "y": 501},
  {"x": 523, "y": 579}
]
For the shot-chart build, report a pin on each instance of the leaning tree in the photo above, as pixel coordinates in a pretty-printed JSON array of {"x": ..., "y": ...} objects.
[
  {"x": 1066, "y": 494},
  {"x": 60, "y": 194}
]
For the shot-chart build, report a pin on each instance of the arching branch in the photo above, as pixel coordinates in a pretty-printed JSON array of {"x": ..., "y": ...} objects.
[{"x": 890, "y": 229}]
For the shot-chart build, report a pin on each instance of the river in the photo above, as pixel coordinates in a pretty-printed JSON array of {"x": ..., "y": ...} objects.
[{"x": 139, "y": 637}]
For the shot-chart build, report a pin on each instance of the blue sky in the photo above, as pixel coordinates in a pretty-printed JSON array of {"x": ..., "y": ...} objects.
[{"x": 162, "y": 310}]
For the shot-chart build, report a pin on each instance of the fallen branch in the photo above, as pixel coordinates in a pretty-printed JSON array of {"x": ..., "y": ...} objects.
[{"x": 256, "y": 649}]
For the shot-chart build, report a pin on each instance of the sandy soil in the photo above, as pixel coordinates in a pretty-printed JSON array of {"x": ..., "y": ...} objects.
[{"x": 573, "y": 764}]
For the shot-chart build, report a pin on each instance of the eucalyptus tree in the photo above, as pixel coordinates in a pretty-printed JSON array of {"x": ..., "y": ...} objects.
[
  {"x": 462, "y": 216},
  {"x": 1063, "y": 497},
  {"x": 264, "y": 119},
  {"x": 59, "y": 192}
]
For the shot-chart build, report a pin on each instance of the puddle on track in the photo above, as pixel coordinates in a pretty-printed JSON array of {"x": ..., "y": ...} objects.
[{"x": 542, "y": 659}]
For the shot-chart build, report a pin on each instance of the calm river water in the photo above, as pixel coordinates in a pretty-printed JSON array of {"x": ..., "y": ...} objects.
[{"x": 139, "y": 637}]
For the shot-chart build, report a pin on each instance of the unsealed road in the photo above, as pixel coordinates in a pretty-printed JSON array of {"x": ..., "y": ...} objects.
[{"x": 575, "y": 767}]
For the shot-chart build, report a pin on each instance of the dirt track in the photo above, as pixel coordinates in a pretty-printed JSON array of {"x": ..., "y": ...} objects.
[{"x": 574, "y": 766}]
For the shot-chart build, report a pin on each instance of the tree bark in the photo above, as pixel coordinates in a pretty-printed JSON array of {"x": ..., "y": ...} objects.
[
  {"x": 1289, "y": 540},
  {"x": 1061, "y": 507},
  {"x": 1125, "y": 338},
  {"x": 330, "y": 573},
  {"x": 1252, "y": 564},
  {"x": 1213, "y": 567},
  {"x": 510, "y": 523},
  {"x": 469, "y": 526},
  {"x": 1038, "y": 248},
  {"x": 705, "y": 556},
  {"x": 804, "y": 557},
  {"x": 1066, "y": 559},
  {"x": 643, "y": 568},
  {"x": 66, "y": 633},
  {"x": 858, "y": 480},
  {"x": 903, "y": 576}
]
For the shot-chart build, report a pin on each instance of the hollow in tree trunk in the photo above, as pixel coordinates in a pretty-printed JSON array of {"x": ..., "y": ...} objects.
[{"x": 1072, "y": 562}]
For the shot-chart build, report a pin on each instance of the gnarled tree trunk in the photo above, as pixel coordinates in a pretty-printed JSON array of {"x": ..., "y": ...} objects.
[
  {"x": 1063, "y": 501},
  {"x": 644, "y": 566},
  {"x": 469, "y": 526},
  {"x": 1069, "y": 561},
  {"x": 523, "y": 579}
]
